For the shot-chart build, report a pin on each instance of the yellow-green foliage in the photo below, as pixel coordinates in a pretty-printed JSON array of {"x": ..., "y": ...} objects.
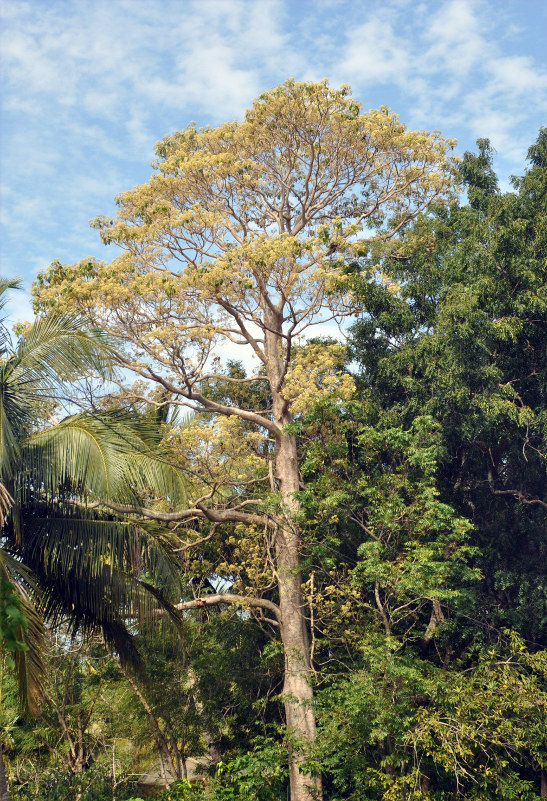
[
  {"x": 314, "y": 375},
  {"x": 251, "y": 221}
]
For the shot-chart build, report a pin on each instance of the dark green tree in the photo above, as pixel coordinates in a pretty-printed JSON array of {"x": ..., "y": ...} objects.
[
  {"x": 464, "y": 341},
  {"x": 439, "y": 698}
]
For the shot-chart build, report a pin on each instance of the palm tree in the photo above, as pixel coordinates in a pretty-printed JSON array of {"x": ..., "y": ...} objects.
[{"x": 63, "y": 556}]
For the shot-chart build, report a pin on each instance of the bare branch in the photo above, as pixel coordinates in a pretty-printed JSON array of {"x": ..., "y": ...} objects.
[
  {"x": 381, "y": 609},
  {"x": 520, "y": 496},
  {"x": 229, "y": 598},
  {"x": 200, "y": 511}
]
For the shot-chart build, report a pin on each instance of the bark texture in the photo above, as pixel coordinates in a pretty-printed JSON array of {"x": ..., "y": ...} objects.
[{"x": 297, "y": 688}]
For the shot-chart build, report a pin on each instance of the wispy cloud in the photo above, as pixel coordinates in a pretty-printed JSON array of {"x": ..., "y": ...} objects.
[
  {"x": 90, "y": 85},
  {"x": 449, "y": 65}
]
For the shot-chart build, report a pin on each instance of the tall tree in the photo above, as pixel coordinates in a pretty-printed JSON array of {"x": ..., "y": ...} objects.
[
  {"x": 464, "y": 340},
  {"x": 241, "y": 238}
]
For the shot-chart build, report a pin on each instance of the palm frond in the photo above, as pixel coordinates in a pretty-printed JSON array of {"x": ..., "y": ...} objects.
[
  {"x": 5, "y": 503},
  {"x": 90, "y": 570},
  {"x": 78, "y": 546},
  {"x": 14, "y": 414},
  {"x": 5, "y": 285},
  {"x": 29, "y": 661},
  {"x": 166, "y": 606},
  {"x": 82, "y": 451},
  {"x": 56, "y": 349},
  {"x": 105, "y": 456}
]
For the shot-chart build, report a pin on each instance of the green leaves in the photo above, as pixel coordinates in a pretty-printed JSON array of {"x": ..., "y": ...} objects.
[
  {"x": 451, "y": 431},
  {"x": 21, "y": 630},
  {"x": 55, "y": 479},
  {"x": 13, "y": 622},
  {"x": 259, "y": 774},
  {"x": 107, "y": 455},
  {"x": 400, "y": 724},
  {"x": 54, "y": 351},
  {"x": 465, "y": 343}
]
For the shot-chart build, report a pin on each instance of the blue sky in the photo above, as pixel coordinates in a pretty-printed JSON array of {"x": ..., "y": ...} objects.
[{"x": 88, "y": 87}]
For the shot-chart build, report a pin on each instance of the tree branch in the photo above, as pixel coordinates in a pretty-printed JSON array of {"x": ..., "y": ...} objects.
[
  {"x": 229, "y": 598},
  {"x": 520, "y": 496},
  {"x": 213, "y": 515},
  {"x": 209, "y": 405}
]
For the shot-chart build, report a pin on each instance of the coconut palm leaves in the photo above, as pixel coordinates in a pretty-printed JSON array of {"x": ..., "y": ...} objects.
[
  {"x": 57, "y": 536},
  {"x": 110, "y": 455},
  {"x": 21, "y": 628}
]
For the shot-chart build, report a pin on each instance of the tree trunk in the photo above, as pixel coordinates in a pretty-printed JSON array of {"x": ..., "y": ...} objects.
[
  {"x": 4, "y": 792},
  {"x": 297, "y": 689}
]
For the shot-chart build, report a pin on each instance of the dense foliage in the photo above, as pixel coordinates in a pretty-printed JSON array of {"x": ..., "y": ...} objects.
[{"x": 420, "y": 509}]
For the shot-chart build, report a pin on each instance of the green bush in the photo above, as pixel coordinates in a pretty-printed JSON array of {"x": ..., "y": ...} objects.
[{"x": 94, "y": 784}]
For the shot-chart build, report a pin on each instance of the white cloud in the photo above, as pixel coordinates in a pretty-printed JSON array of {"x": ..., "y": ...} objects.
[
  {"x": 457, "y": 39},
  {"x": 516, "y": 75},
  {"x": 374, "y": 53},
  {"x": 447, "y": 63},
  {"x": 18, "y": 308},
  {"x": 90, "y": 85}
]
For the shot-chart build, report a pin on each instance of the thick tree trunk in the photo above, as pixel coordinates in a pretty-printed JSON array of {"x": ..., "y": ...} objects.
[{"x": 297, "y": 689}]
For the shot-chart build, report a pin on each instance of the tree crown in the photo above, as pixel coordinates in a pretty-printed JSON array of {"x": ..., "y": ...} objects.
[{"x": 243, "y": 233}]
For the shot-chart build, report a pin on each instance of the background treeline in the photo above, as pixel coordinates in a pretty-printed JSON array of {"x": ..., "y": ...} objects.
[{"x": 423, "y": 511}]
